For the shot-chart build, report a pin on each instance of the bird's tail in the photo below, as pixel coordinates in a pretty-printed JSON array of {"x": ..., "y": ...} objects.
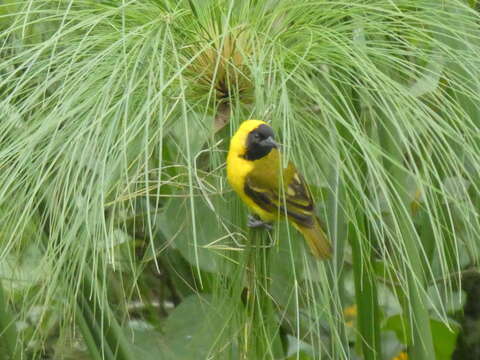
[{"x": 317, "y": 240}]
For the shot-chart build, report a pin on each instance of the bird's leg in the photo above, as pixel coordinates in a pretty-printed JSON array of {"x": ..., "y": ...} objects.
[{"x": 255, "y": 222}]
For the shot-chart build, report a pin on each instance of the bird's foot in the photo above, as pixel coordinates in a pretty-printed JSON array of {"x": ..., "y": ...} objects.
[{"x": 255, "y": 222}]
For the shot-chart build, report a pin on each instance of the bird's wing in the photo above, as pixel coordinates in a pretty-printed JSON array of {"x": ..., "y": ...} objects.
[{"x": 272, "y": 197}]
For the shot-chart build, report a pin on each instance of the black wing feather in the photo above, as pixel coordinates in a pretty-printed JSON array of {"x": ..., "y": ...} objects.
[{"x": 271, "y": 202}]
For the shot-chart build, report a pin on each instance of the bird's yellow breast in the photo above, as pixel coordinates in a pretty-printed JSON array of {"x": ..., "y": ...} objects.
[{"x": 237, "y": 172}]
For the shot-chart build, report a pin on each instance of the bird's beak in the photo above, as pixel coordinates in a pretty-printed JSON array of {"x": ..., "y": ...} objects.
[{"x": 270, "y": 142}]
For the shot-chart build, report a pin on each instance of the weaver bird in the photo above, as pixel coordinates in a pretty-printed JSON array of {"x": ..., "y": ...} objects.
[{"x": 254, "y": 170}]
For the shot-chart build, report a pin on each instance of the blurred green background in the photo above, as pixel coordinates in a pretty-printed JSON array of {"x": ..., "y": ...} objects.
[{"x": 120, "y": 238}]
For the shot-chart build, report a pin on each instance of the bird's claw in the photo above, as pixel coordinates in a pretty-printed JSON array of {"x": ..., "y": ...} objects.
[{"x": 254, "y": 222}]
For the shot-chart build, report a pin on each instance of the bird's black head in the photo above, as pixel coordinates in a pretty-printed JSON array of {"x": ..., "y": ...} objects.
[{"x": 260, "y": 142}]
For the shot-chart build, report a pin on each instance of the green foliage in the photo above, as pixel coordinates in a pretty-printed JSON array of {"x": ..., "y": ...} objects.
[
  {"x": 445, "y": 334},
  {"x": 194, "y": 330},
  {"x": 120, "y": 237}
]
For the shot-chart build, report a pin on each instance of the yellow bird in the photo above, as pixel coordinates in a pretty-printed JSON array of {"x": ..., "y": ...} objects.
[{"x": 254, "y": 170}]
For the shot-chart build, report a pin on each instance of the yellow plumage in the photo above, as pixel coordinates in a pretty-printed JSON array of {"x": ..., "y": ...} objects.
[{"x": 255, "y": 173}]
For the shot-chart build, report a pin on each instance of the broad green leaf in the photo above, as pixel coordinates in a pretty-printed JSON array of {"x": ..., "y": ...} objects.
[
  {"x": 148, "y": 343},
  {"x": 197, "y": 329},
  {"x": 23, "y": 270},
  {"x": 445, "y": 338},
  {"x": 177, "y": 224},
  {"x": 444, "y": 335}
]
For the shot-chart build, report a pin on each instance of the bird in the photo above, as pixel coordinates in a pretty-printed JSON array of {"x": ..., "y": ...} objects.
[{"x": 256, "y": 174}]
